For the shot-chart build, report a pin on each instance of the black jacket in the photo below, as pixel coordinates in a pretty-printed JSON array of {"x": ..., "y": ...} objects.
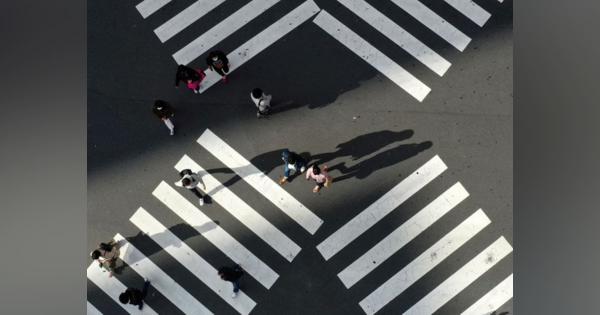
[
  {"x": 162, "y": 109},
  {"x": 230, "y": 274},
  {"x": 221, "y": 61},
  {"x": 186, "y": 73},
  {"x": 135, "y": 296}
]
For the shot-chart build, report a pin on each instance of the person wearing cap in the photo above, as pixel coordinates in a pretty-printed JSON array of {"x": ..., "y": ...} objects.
[
  {"x": 190, "y": 180},
  {"x": 164, "y": 111},
  {"x": 262, "y": 102},
  {"x": 217, "y": 61},
  {"x": 292, "y": 161},
  {"x": 191, "y": 77},
  {"x": 320, "y": 176}
]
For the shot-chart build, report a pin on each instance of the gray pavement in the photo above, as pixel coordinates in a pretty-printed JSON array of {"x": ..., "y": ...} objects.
[{"x": 324, "y": 96}]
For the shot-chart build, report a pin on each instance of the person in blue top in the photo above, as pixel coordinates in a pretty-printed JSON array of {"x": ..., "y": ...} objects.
[{"x": 293, "y": 161}]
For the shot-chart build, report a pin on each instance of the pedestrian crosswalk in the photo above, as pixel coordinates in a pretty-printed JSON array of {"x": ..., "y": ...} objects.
[
  {"x": 276, "y": 240},
  {"x": 428, "y": 259},
  {"x": 202, "y": 43}
]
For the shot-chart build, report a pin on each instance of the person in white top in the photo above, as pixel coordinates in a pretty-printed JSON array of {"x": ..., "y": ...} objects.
[
  {"x": 262, "y": 102},
  {"x": 190, "y": 180}
]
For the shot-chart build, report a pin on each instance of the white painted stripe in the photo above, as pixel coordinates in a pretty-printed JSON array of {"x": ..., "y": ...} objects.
[
  {"x": 147, "y": 7},
  {"x": 259, "y": 181},
  {"x": 466, "y": 275},
  {"x": 263, "y": 40},
  {"x": 158, "y": 278},
  {"x": 92, "y": 310},
  {"x": 113, "y": 288},
  {"x": 185, "y": 18},
  {"x": 220, "y": 31},
  {"x": 403, "y": 235},
  {"x": 215, "y": 234},
  {"x": 493, "y": 300},
  {"x": 471, "y": 10},
  {"x": 190, "y": 260},
  {"x": 371, "y": 55},
  {"x": 382, "y": 207},
  {"x": 435, "y": 23},
  {"x": 242, "y": 211},
  {"x": 398, "y": 35},
  {"x": 425, "y": 262}
]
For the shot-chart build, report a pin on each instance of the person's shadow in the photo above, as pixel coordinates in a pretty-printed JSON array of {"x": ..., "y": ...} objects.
[
  {"x": 381, "y": 160},
  {"x": 364, "y": 145}
]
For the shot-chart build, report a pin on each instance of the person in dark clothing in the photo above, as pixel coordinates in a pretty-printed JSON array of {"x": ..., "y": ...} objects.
[
  {"x": 164, "y": 111},
  {"x": 217, "y": 61},
  {"x": 293, "y": 161},
  {"x": 190, "y": 76},
  {"x": 135, "y": 296},
  {"x": 233, "y": 275}
]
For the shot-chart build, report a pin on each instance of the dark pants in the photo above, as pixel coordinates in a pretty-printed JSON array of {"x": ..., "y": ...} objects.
[
  {"x": 236, "y": 285},
  {"x": 144, "y": 293},
  {"x": 223, "y": 71}
]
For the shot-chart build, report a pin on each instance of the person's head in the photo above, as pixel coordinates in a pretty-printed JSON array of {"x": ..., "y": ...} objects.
[
  {"x": 316, "y": 169},
  {"x": 124, "y": 298},
  {"x": 186, "y": 181},
  {"x": 95, "y": 254},
  {"x": 158, "y": 104},
  {"x": 256, "y": 93},
  {"x": 285, "y": 155}
]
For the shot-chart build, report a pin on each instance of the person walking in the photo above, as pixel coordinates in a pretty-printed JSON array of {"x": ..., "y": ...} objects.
[
  {"x": 192, "y": 77},
  {"x": 190, "y": 180},
  {"x": 218, "y": 62},
  {"x": 164, "y": 111},
  {"x": 233, "y": 275},
  {"x": 135, "y": 296},
  {"x": 262, "y": 102},
  {"x": 106, "y": 254},
  {"x": 292, "y": 161},
  {"x": 320, "y": 176}
]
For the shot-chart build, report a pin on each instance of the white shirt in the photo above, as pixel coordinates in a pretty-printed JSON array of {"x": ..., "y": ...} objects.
[
  {"x": 263, "y": 102},
  {"x": 193, "y": 178}
]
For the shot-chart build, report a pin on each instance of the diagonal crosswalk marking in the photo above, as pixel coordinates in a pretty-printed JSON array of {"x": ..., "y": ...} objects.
[
  {"x": 190, "y": 260},
  {"x": 147, "y": 7},
  {"x": 215, "y": 234},
  {"x": 398, "y": 35},
  {"x": 471, "y": 10},
  {"x": 466, "y": 275},
  {"x": 371, "y": 55},
  {"x": 382, "y": 207},
  {"x": 259, "y": 181},
  {"x": 185, "y": 18},
  {"x": 435, "y": 23},
  {"x": 222, "y": 30},
  {"x": 242, "y": 211},
  {"x": 113, "y": 288},
  {"x": 403, "y": 235},
  {"x": 264, "y": 39},
  {"x": 421, "y": 265},
  {"x": 92, "y": 310},
  {"x": 159, "y": 279},
  {"x": 492, "y": 300}
]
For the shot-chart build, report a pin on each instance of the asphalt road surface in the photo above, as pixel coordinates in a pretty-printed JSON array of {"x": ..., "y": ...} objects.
[{"x": 391, "y": 105}]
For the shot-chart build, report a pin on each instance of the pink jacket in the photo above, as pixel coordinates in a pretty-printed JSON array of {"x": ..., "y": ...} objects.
[{"x": 321, "y": 178}]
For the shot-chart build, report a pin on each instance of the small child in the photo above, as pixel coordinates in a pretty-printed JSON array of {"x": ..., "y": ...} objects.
[{"x": 321, "y": 177}]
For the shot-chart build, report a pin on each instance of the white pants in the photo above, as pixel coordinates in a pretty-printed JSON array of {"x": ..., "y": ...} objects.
[{"x": 169, "y": 124}]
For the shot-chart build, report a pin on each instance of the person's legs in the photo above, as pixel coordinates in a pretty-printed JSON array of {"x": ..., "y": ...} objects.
[
  {"x": 170, "y": 125},
  {"x": 198, "y": 194}
]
